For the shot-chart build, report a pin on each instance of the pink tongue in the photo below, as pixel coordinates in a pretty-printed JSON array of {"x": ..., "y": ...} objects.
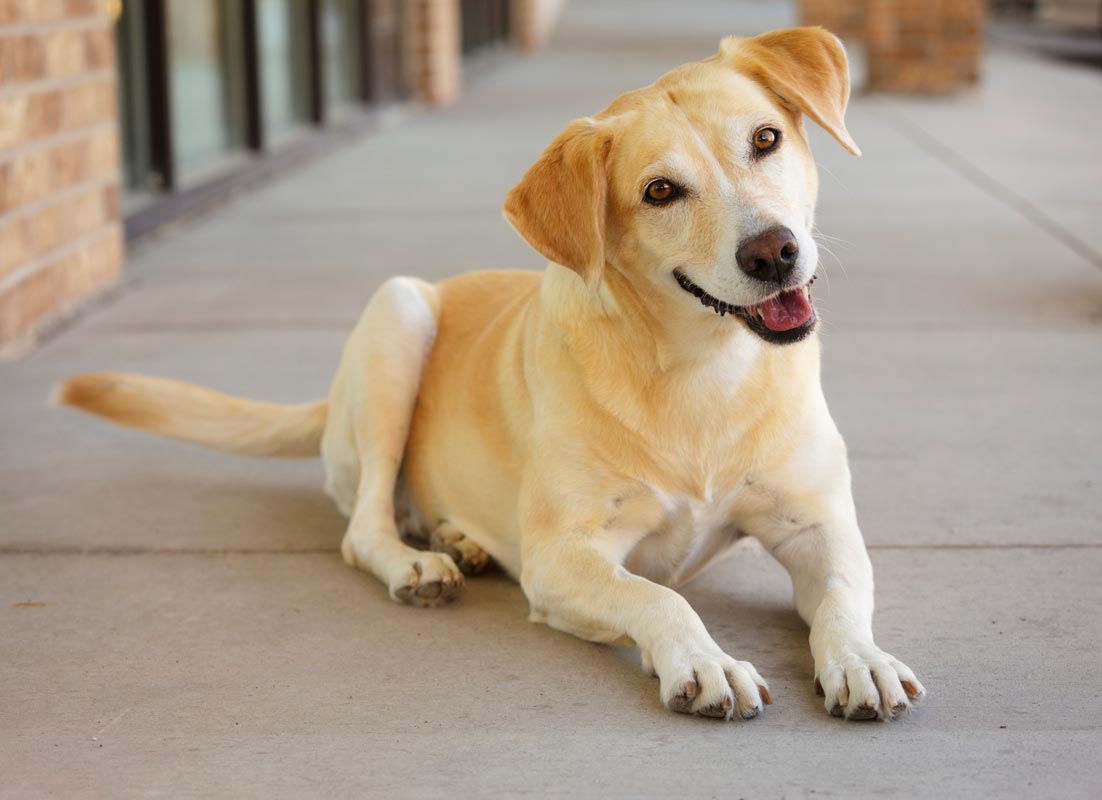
[{"x": 786, "y": 311}]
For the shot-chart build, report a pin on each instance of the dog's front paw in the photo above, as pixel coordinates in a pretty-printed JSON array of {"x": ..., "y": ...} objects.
[
  {"x": 860, "y": 681},
  {"x": 710, "y": 684}
]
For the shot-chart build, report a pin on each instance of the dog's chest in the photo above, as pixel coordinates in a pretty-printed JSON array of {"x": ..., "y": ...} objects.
[{"x": 693, "y": 532}]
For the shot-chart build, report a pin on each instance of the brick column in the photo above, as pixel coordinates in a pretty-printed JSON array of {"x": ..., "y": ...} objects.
[
  {"x": 1085, "y": 15},
  {"x": 923, "y": 45},
  {"x": 533, "y": 20},
  {"x": 434, "y": 56},
  {"x": 843, "y": 18},
  {"x": 60, "y": 236}
]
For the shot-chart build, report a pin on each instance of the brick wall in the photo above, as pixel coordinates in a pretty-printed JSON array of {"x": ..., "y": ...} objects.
[
  {"x": 60, "y": 236},
  {"x": 923, "y": 45},
  {"x": 533, "y": 20},
  {"x": 433, "y": 41},
  {"x": 434, "y": 57}
]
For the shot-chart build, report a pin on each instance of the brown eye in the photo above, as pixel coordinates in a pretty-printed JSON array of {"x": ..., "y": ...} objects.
[
  {"x": 766, "y": 139},
  {"x": 659, "y": 191}
]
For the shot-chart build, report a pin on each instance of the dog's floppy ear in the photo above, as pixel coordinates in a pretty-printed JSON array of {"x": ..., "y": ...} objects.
[
  {"x": 805, "y": 67},
  {"x": 559, "y": 204}
]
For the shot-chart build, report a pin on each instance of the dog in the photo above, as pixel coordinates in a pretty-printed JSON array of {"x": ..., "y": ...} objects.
[{"x": 606, "y": 429}]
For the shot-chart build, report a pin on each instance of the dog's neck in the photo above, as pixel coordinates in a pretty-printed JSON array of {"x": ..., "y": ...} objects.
[
  {"x": 633, "y": 321},
  {"x": 634, "y": 343}
]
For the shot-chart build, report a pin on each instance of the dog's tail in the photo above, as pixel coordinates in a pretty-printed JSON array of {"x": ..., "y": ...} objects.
[{"x": 201, "y": 416}]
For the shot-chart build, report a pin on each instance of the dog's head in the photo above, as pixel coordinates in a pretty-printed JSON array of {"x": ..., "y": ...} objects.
[{"x": 701, "y": 187}]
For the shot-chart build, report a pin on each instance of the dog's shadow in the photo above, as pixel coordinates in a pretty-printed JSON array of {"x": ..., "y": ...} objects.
[{"x": 744, "y": 601}]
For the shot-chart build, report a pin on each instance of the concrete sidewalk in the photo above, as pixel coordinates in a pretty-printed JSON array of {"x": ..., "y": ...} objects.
[{"x": 179, "y": 623}]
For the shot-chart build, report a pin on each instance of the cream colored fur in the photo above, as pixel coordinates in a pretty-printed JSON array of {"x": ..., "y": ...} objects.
[{"x": 594, "y": 429}]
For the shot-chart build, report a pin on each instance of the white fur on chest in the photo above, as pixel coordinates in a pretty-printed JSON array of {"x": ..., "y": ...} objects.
[{"x": 693, "y": 533}]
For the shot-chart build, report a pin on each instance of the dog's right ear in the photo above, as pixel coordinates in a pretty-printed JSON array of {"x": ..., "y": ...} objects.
[
  {"x": 805, "y": 67},
  {"x": 559, "y": 205}
]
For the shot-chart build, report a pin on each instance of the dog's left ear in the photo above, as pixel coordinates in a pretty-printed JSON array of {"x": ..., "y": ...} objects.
[
  {"x": 559, "y": 205},
  {"x": 805, "y": 67}
]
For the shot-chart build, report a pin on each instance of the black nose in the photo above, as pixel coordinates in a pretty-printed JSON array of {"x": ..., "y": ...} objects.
[{"x": 769, "y": 256}]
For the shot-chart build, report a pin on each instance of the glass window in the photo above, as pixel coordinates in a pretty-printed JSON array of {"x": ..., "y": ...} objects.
[
  {"x": 340, "y": 47},
  {"x": 137, "y": 161},
  {"x": 283, "y": 27},
  {"x": 206, "y": 79}
]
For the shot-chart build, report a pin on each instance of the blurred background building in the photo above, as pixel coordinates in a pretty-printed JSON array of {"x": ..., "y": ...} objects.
[{"x": 119, "y": 115}]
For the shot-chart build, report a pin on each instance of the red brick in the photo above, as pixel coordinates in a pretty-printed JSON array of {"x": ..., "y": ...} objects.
[
  {"x": 58, "y": 285},
  {"x": 59, "y": 160},
  {"x": 927, "y": 46}
]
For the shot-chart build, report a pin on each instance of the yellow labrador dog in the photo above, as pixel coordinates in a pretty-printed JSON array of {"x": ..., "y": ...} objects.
[{"x": 608, "y": 428}]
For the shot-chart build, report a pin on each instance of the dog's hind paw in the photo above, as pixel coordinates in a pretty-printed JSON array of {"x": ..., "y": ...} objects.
[
  {"x": 431, "y": 579},
  {"x": 468, "y": 556},
  {"x": 412, "y": 576}
]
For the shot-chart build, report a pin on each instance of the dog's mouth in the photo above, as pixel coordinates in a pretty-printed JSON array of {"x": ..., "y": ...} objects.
[{"x": 785, "y": 318}]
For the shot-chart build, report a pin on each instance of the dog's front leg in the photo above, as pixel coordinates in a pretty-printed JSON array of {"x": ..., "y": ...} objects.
[
  {"x": 574, "y": 579},
  {"x": 815, "y": 536}
]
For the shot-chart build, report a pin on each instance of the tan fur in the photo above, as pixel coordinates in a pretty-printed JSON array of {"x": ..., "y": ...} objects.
[
  {"x": 595, "y": 429},
  {"x": 193, "y": 414}
]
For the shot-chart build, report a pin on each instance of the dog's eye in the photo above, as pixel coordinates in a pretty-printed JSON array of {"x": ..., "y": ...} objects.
[
  {"x": 660, "y": 191},
  {"x": 766, "y": 139}
]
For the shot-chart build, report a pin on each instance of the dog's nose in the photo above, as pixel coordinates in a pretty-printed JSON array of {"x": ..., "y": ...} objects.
[{"x": 769, "y": 256}]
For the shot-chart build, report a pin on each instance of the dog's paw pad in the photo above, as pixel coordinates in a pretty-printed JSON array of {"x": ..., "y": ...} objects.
[
  {"x": 431, "y": 579},
  {"x": 682, "y": 702},
  {"x": 720, "y": 710},
  {"x": 863, "y": 712}
]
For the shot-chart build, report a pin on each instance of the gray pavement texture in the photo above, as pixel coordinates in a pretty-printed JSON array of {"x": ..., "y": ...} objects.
[{"x": 179, "y": 623}]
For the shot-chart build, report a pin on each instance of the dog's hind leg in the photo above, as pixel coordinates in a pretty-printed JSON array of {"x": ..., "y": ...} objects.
[{"x": 371, "y": 404}]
